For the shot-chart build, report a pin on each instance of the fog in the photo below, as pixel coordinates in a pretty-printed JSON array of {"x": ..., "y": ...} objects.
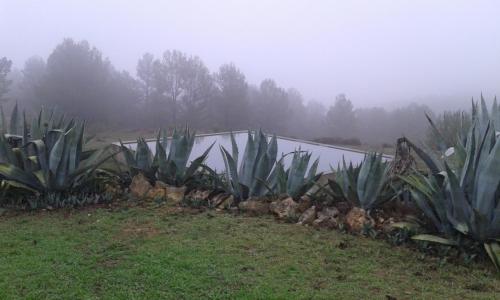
[
  {"x": 326, "y": 70},
  {"x": 377, "y": 52}
]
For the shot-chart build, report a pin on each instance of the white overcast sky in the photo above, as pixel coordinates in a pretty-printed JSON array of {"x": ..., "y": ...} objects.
[{"x": 377, "y": 52}]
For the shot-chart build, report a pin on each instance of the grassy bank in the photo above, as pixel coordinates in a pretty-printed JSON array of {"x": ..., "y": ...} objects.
[{"x": 136, "y": 253}]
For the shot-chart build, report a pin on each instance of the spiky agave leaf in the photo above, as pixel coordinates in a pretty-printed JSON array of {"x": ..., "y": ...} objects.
[
  {"x": 262, "y": 169},
  {"x": 195, "y": 165},
  {"x": 441, "y": 141},
  {"x": 18, "y": 175},
  {"x": 3, "y": 122},
  {"x": 234, "y": 148},
  {"x": 249, "y": 160},
  {"x": 233, "y": 184},
  {"x": 144, "y": 159},
  {"x": 434, "y": 239},
  {"x": 493, "y": 250},
  {"x": 129, "y": 155},
  {"x": 431, "y": 199},
  {"x": 180, "y": 150},
  {"x": 372, "y": 178},
  {"x": 15, "y": 121}
]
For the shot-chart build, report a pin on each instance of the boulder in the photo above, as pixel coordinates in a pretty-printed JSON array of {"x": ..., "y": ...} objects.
[
  {"x": 221, "y": 201},
  {"x": 327, "y": 217},
  {"x": 308, "y": 216},
  {"x": 140, "y": 186},
  {"x": 284, "y": 209},
  {"x": 254, "y": 207},
  {"x": 216, "y": 199},
  {"x": 357, "y": 218},
  {"x": 199, "y": 195},
  {"x": 175, "y": 193},
  {"x": 156, "y": 193},
  {"x": 305, "y": 203}
]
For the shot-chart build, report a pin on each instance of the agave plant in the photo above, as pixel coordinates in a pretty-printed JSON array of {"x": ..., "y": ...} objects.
[
  {"x": 259, "y": 174},
  {"x": 20, "y": 130},
  {"x": 462, "y": 194},
  {"x": 46, "y": 121},
  {"x": 56, "y": 163},
  {"x": 15, "y": 132},
  {"x": 294, "y": 181},
  {"x": 170, "y": 161},
  {"x": 140, "y": 160},
  {"x": 344, "y": 186},
  {"x": 255, "y": 168},
  {"x": 366, "y": 186},
  {"x": 172, "y": 167}
]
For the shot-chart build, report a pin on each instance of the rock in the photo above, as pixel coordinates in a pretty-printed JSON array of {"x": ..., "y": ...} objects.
[
  {"x": 228, "y": 202},
  {"x": 222, "y": 201},
  {"x": 284, "y": 209},
  {"x": 254, "y": 207},
  {"x": 356, "y": 219},
  {"x": 140, "y": 186},
  {"x": 305, "y": 203},
  {"x": 308, "y": 216},
  {"x": 199, "y": 195},
  {"x": 159, "y": 191},
  {"x": 328, "y": 217},
  {"x": 175, "y": 193},
  {"x": 217, "y": 199}
]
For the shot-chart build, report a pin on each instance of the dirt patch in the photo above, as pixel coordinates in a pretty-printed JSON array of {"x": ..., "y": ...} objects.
[
  {"x": 109, "y": 263},
  {"x": 179, "y": 210},
  {"x": 133, "y": 230}
]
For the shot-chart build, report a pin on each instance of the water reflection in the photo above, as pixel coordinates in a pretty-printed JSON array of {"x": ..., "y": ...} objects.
[{"x": 328, "y": 155}]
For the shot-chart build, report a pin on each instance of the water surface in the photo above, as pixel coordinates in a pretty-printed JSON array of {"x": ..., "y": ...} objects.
[{"x": 328, "y": 155}]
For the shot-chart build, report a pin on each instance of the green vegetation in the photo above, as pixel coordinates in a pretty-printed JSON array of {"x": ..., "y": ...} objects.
[
  {"x": 172, "y": 168},
  {"x": 366, "y": 186},
  {"x": 173, "y": 245},
  {"x": 255, "y": 169},
  {"x": 139, "y": 253},
  {"x": 260, "y": 174},
  {"x": 49, "y": 163},
  {"x": 294, "y": 181},
  {"x": 461, "y": 196}
]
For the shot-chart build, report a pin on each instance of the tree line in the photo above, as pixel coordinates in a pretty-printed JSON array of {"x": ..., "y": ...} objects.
[{"x": 175, "y": 89}]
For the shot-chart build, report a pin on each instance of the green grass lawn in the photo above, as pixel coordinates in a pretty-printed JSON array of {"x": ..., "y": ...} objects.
[{"x": 138, "y": 253}]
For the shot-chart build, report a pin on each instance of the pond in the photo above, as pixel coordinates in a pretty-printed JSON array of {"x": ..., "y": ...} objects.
[{"x": 328, "y": 155}]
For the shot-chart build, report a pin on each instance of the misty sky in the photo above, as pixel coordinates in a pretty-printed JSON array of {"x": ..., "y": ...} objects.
[{"x": 377, "y": 52}]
